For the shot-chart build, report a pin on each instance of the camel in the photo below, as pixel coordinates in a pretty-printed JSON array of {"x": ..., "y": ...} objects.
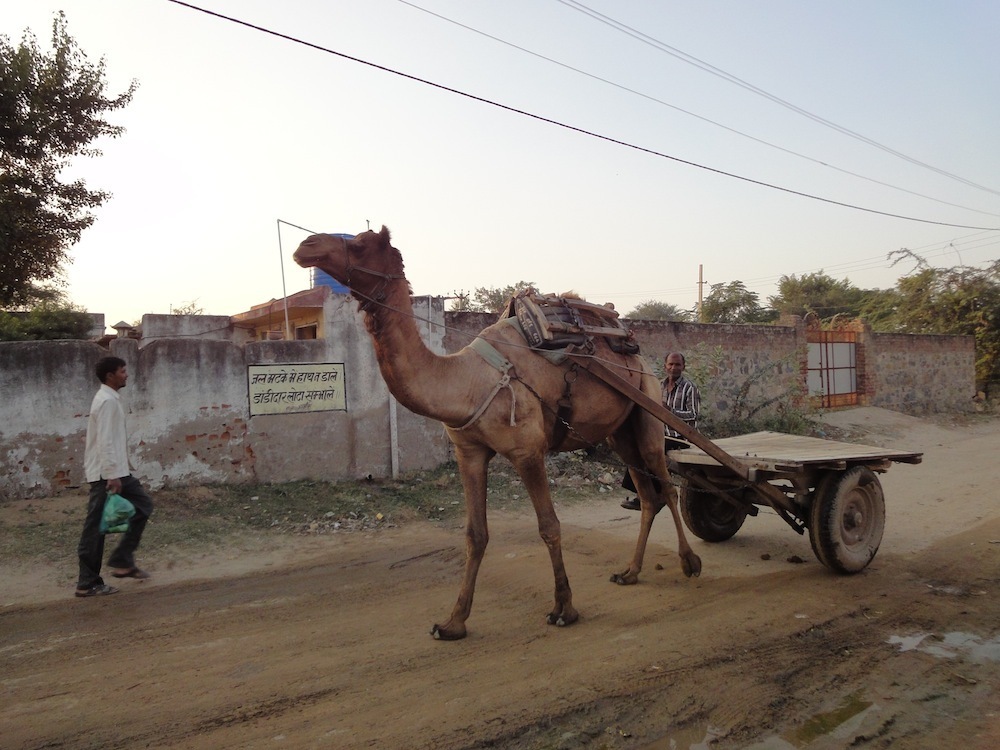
[{"x": 514, "y": 413}]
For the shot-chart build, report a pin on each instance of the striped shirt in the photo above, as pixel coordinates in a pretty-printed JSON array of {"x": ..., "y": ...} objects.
[{"x": 684, "y": 401}]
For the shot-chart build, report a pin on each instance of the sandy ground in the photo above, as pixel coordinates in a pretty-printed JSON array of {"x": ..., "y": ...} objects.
[{"x": 324, "y": 643}]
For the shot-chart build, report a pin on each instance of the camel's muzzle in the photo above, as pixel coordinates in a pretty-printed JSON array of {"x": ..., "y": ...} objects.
[{"x": 309, "y": 252}]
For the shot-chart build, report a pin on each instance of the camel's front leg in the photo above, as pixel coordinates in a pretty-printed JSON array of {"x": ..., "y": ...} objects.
[
  {"x": 532, "y": 472},
  {"x": 472, "y": 463}
]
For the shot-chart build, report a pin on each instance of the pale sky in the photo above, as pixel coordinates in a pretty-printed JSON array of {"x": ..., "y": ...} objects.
[{"x": 233, "y": 130}]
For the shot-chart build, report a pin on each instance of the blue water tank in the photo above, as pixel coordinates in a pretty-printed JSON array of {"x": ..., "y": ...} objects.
[{"x": 322, "y": 278}]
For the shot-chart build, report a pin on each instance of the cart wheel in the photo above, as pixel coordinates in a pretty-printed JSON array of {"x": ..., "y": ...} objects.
[
  {"x": 708, "y": 516},
  {"x": 847, "y": 519}
]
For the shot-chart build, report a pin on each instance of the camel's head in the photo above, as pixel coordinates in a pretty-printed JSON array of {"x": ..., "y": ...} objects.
[
  {"x": 321, "y": 250},
  {"x": 361, "y": 263},
  {"x": 337, "y": 256}
]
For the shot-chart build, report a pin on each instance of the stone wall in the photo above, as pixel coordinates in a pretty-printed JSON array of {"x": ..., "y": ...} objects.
[
  {"x": 721, "y": 358},
  {"x": 754, "y": 362},
  {"x": 921, "y": 374},
  {"x": 189, "y": 414},
  {"x": 913, "y": 373},
  {"x": 463, "y": 327}
]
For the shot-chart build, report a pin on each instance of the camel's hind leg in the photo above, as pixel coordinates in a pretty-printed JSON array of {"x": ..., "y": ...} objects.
[
  {"x": 532, "y": 472},
  {"x": 648, "y": 468},
  {"x": 472, "y": 463}
]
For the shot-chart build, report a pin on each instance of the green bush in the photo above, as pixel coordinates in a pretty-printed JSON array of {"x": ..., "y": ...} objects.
[{"x": 45, "y": 322}]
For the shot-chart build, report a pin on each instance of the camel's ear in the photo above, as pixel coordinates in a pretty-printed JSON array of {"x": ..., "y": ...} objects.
[{"x": 385, "y": 234}]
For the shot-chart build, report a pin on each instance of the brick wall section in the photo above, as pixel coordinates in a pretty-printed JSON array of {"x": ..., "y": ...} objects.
[
  {"x": 866, "y": 372},
  {"x": 869, "y": 380}
]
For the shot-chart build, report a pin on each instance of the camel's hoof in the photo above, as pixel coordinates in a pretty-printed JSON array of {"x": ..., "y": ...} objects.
[
  {"x": 691, "y": 565},
  {"x": 561, "y": 620},
  {"x": 440, "y": 634},
  {"x": 625, "y": 579}
]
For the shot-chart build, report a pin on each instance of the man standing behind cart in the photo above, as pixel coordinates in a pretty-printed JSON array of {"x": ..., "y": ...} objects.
[
  {"x": 681, "y": 396},
  {"x": 105, "y": 462}
]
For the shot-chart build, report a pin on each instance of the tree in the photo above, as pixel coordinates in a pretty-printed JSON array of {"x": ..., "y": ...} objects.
[
  {"x": 494, "y": 299},
  {"x": 46, "y": 321},
  {"x": 52, "y": 107},
  {"x": 733, "y": 303},
  {"x": 652, "y": 309},
  {"x": 459, "y": 301},
  {"x": 878, "y": 308},
  {"x": 817, "y": 293},
  {"x": 961, "y": 300},
  {"x": 190, "y": 308}
]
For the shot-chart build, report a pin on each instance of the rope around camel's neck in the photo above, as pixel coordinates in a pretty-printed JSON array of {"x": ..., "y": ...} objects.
[{"x": 415, "y": 375}]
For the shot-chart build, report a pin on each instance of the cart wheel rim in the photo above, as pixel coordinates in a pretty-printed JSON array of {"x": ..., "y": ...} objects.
[{"x": 858, "y": 519}]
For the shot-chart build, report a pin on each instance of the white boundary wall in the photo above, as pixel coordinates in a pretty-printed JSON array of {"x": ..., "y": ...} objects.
[{"x": 188, "y": 410}]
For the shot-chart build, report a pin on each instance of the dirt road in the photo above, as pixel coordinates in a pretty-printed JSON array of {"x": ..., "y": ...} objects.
[{"x": 330, "y": 647}]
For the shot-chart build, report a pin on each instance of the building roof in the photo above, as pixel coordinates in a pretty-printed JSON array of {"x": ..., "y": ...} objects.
[{"x": 310, "y": 299}]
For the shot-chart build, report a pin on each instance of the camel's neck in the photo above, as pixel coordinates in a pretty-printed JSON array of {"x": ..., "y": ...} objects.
[{"x": 413, "y": 372}]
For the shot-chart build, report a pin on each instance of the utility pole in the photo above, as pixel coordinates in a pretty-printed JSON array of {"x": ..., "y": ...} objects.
[{"x": 701, "y": 287}]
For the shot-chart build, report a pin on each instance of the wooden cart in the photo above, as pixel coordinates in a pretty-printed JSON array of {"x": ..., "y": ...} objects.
[{"x": 828, "y": 487}]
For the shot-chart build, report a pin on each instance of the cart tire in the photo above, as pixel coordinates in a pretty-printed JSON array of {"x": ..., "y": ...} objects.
[
  {"x": 847, "y": 519},
  {"x": 708, "y": 516}
]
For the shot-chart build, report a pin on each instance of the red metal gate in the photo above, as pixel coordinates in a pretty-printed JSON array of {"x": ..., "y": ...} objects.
[{"x": 832, "y": 377}]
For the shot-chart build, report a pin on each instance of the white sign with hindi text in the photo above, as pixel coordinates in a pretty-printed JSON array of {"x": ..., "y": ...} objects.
[{"x": 295, "y": 388}]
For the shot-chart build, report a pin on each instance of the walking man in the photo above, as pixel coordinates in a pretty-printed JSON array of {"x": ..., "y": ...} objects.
[{"x": 107, "y": 470}]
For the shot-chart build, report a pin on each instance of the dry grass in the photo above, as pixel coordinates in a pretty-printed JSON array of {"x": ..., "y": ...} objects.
[{"x": 195, "y": 516}]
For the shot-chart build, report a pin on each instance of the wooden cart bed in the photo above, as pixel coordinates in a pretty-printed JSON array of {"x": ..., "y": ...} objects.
[{"x": 776, "y": 451}]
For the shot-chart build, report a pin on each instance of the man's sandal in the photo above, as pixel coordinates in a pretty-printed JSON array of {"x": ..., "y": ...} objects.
[
  {"x": 631, "y": 503},
  {"x": 138, "y": 573},
  {"x": 101, "y": 589}
]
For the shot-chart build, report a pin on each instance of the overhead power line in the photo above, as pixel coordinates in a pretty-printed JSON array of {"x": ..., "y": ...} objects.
[
  {"x": 707, "y": 67},
  {"x": 674, "y": 107},
  {"x": 573, "y": 128}
]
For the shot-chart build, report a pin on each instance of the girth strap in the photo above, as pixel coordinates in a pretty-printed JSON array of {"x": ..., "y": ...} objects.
[
  {"x": 565, "y": 411},
  {"x": 495, "y": 359}
]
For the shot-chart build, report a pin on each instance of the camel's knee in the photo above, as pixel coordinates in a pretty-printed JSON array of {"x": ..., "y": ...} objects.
[
  {"x": 476, "y": 540},
  {"x": 552, "y": 539},
  {"x": 668, "y": 495}
]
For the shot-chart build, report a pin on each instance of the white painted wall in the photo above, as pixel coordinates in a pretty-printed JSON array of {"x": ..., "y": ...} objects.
[{"x": 188, "y": 410}]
